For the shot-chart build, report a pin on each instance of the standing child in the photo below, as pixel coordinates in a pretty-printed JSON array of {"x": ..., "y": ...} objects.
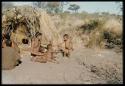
[{"x": 67, "y": 45}]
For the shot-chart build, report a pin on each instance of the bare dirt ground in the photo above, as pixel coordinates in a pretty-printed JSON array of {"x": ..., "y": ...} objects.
[{"x": 85, "y": 66}]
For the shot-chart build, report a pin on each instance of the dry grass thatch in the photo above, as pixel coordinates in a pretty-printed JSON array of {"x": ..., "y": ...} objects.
[{"x": 30, "y": 20}]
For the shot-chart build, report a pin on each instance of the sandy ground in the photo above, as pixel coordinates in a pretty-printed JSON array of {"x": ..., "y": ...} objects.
[{"x": 85, "y": 66}]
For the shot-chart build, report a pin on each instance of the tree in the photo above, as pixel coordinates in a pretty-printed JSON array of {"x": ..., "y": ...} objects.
[
  {"x": 50, "y": 7},
  {"x": 53, "y": 7},
  {"x": 37, "y": 4},
  {"x": 77, "y": 8},
  {"x": 74, "y": 7},
  {"x": 105, "y": 13},
  {"x": 71, "y": 8},
  {"x": 42, "y": 5},
  {"x": 62, "y": 5}
]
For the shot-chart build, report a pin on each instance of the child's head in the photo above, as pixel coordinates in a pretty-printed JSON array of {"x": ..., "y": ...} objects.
[
  {"x": 49, "y": 46},
  {"x": 66, "y": 36}
]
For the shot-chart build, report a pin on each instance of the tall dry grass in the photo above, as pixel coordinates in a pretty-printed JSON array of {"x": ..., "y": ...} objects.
[
  {"x": 96, "y": 32},
  {"x": 90, "y": 31}
]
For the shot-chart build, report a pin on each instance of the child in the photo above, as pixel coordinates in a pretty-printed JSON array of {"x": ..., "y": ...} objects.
[
  {"x": 50, "y": 54},
  {"x": 67, "y": 45},
  {"x": 37, "y": 56}
]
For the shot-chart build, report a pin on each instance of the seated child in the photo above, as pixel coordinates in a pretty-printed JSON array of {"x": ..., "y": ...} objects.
[{"x": 50, "y": 53}]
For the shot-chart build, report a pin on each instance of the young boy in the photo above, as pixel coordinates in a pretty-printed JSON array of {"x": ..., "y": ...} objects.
[
  {"x": 51, "y": 54},
  {"x": 67, "y": 45}
]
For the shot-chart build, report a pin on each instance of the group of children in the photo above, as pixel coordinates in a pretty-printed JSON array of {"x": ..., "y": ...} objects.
[
  {"x": 11, "y": 51},
  {"x": 44, "y": 54}
]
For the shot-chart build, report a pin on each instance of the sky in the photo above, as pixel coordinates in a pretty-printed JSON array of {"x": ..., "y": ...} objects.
[{"x": 90, "y": 7}]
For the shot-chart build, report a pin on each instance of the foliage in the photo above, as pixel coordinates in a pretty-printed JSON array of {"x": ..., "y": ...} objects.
[
  {"x": 74, "y": 7},
  {"x": 51, "y": 7}
]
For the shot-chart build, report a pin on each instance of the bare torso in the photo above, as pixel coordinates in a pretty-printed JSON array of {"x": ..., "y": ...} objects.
[
  {"x": 50, "y": 54},
  {"x": 35, "y": 45},
  {"x": 66, "y": 47},
  {"x": 67, "y": 44},
  {"x": 37, "y": 56}
]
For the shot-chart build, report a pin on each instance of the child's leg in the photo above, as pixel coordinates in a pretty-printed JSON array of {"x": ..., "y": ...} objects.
[
  {"x": 67, "y": 53},
  {"x": 63, "y": 53}
]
